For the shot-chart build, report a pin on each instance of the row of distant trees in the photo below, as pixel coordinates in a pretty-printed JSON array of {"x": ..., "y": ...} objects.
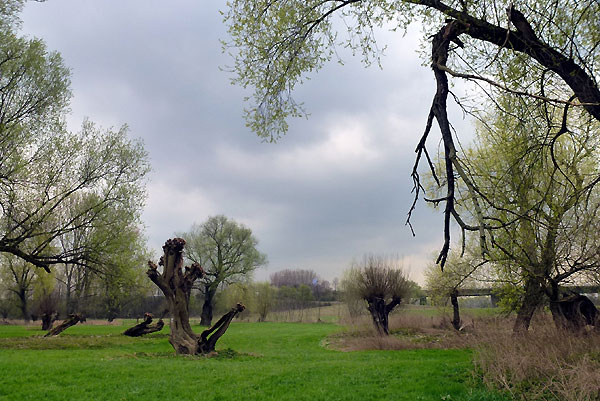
[
  {"x": 41, "y": 293},
  {"x": 27, "y": 292},
  {"x": 70, "y": 202},
  {"x": 259, "y": 298},
  {"x": 291, "y": 289},
  {"x": 225, "y": 249}
]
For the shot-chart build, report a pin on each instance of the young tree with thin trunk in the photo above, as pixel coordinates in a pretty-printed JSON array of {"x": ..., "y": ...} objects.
[
  {"x": 227, "y": 252},
  {"x": 382, "y": 283},
  {"x": 257, "y": 297},
  {"x": 460, "y": 272},
  {"x": 264, "y": 299}
]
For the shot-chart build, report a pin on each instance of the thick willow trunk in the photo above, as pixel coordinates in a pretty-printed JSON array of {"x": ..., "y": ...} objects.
[
  {"x": 47, "y": 320},
  {"x": 524, "y": 316},
  {"x": 380, "y": 313},
  {"x": 532, "y": 299},
  {"x": 71, "y": 321},
  {"x": 145, "y": 327},
  {"x": 207, "y": 307},
  {"x": 176, "y": 283},
  {"x": 455, "y": 310}
]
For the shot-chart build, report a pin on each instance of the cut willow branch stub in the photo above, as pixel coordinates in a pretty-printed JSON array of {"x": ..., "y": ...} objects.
[
  {"x": 208, "y": 341},
  {"x": 71, "y": 321},
  {"x": 145, "y": 327}
]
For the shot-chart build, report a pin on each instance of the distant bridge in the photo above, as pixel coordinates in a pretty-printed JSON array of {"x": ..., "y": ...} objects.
[{"x": 483, "y": 292}]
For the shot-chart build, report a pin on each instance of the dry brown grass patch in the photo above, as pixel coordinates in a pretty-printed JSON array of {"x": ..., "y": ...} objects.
[
  {"x": 406, "y": 332},
  {"x": 544, "y": 364}
]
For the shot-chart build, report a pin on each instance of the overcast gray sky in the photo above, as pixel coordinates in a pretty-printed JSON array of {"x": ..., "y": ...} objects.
[{"x": 337, "y": 186}]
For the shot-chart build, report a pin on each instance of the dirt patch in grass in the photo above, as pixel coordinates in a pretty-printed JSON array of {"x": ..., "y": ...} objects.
[
  {"x": 345, "y": 343},
  {"x": 408, "y": 331}
]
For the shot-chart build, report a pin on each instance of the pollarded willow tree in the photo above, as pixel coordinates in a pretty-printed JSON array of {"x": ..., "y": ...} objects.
[
  {"x": 380, "y": 282},
  {"x": 544, "y": 49},
  {"x": 176, "y": 281}
]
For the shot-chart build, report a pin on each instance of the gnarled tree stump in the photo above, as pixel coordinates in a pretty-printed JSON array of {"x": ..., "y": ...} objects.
[
  {"x": 574, "y": 312},
  {"x": 71, "y": 321},
  {"x": 145, "y": 327},
  {"x": 175, "y": 282}
]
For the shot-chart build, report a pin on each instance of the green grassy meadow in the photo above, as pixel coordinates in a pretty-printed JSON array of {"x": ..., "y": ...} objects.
[{"x": 258, "y": 361}]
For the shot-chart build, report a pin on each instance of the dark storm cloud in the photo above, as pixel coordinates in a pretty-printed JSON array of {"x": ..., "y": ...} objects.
[{"x": 336, "y": 186}]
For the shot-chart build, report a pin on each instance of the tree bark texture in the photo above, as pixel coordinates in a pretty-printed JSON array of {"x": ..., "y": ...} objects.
[
  {"x": 71, "y": 321},
  {"x": 176, "y": 284},
  {"x": 455, "y": 310},
  {"x": 380, "y": 312},
  {"x": 48, "y": 320},
  {"x": 532, "y": 299},
  {"x": 207, "y": 306},
  {"x": 145, "y": 327}
]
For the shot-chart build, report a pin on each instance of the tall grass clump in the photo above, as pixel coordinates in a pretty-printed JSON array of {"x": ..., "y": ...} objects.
[{"x": 543, "y": 364}]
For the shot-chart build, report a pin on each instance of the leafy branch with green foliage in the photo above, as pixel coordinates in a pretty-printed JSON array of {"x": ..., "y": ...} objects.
[
  {"x": 55, "y": 183},
  {"x": 501, "y": 46},
  {"x": 537, "y": 173}
]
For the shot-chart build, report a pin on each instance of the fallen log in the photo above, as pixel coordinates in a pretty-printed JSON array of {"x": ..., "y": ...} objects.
[
  {"x": 145, "y": 327},
  {"x": 71, "y": 321}
]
